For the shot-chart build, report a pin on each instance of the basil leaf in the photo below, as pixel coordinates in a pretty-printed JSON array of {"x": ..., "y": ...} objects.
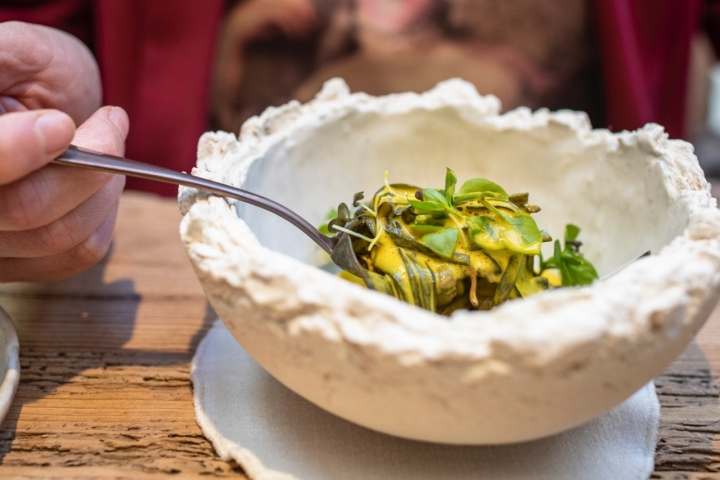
[
  {"x": 480, "y": 187},
  {"x": 571, "y": 233},
  {"x": 442, "y": 242},
  {"x": 525, "y": 235},
  {"x": 573, "y": 267},
  {"x": 519, "y": 234},
  {"x": 432, "y": 195},
  {"x": 433, "y": 202},
  {"x": 450, "y": 182},
  {"x": 483, "y": 231},
  {"x": 580, "y": 271},
  {"x": 425, "y": 208}
]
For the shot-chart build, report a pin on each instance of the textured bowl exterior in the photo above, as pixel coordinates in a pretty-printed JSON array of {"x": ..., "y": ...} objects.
[{"x": 528, "y": 369}]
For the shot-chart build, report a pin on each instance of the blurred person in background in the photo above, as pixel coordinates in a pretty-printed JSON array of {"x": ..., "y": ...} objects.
[{"x": 180, "y": 67}]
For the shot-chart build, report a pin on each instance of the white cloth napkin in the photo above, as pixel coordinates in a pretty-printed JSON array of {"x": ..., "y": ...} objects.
[{"x": 275, "y": 434}]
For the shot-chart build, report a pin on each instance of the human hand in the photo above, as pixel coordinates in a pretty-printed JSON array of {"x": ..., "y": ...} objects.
[{"x": 54, "y": 221}]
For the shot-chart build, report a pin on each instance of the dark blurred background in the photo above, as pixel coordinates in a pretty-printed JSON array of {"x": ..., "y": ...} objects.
[{"x": 181, "y": 67}]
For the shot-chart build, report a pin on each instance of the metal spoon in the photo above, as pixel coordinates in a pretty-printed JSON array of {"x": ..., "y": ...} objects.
[
  {"x": 79, "y": 157},
  {"x": 339, "y": 247}
]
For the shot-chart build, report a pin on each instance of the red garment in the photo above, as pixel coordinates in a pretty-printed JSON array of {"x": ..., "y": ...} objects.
[
  {"x": 155, "y": 58},
  {"x": 644, "y": 47}
]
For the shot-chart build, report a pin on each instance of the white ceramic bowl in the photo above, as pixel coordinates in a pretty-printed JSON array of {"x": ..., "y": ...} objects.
[
  {"x": 528, "y": 369},
  {"x": 9, "y": 363}
]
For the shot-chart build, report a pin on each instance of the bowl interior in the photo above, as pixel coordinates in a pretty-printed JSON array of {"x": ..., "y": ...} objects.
[{"x": 618, "y": 195}]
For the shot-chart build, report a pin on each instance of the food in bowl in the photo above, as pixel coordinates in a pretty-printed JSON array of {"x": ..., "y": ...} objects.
[{"x": 443, "y": 250}]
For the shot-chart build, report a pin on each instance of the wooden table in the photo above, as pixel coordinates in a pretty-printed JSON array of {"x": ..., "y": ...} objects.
[{"x": 105, "y": 386}]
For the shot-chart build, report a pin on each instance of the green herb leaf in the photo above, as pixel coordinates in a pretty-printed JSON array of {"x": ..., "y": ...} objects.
[
  {"x": 425, "y": 208},
  {"x": 324, "y": 228},
  {"x": 574, "y": 268},
  {"x": 484, "y": 232},
  {"x": 325, "y": 231},
  {"x": 480, "y": 187},
  {"x": 579, "y": 270},
  {"x": 450, "y": 182},
  {"x": 525, "y": 235},
  {"x": 560, "y": 264},
  {"x": 518, "y": 233},
  {"x": 571, "y": 233},
  {"x": 442, "y": 242},
  {"x": 433, "y": 202},
  {"x": 433, "y": 195}
]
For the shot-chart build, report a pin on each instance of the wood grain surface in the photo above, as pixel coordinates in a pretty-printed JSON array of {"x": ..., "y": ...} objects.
[{"x": 105, "y": 386}]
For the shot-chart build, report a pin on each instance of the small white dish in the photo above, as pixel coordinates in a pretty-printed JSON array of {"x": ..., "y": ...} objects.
[{"x": 9, "y": 363}]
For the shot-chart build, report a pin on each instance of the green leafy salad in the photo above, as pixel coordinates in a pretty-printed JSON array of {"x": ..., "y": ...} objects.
[{"x": 472, "y": 247}]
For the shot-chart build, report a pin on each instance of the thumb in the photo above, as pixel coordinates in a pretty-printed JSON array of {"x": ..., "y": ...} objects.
[{"x": 29, "y": 140}]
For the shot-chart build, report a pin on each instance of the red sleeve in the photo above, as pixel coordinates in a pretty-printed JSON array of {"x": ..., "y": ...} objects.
[
  {"x": 155, "y": 58},
  {"x": 645, "y": 46}
]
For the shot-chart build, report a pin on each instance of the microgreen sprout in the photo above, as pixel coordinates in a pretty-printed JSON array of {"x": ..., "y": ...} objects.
[{"x": 350, "y": 232}]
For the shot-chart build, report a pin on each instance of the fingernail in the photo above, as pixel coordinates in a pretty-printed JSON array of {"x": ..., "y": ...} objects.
[
  {"x": 119, "y": 118},
  {"x": 56, "y": 131}
]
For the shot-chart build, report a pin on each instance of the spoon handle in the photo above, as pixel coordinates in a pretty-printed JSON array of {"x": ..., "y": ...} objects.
[{"x": 78, "y": 157}]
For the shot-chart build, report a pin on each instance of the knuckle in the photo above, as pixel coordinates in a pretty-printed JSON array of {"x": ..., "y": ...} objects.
[
  {"x": 60, "y": 235},
  {"x": 15, "y": 29},
  {"x": 91, "y": 250}
]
